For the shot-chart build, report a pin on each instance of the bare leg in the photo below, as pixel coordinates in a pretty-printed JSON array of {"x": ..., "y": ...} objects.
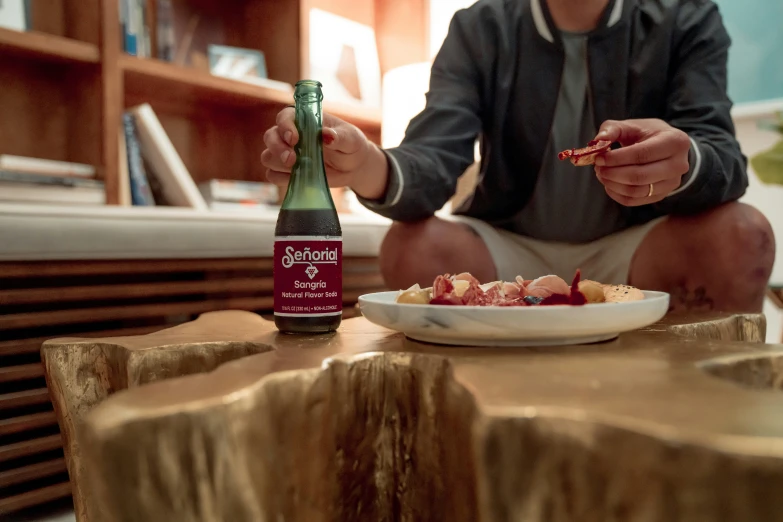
[
  {"x": 417, "y": 252},
  {"x": 719, "y": 260}
]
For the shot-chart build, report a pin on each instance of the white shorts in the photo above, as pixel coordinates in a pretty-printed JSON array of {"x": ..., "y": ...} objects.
[{"x": 607, "y": 260}]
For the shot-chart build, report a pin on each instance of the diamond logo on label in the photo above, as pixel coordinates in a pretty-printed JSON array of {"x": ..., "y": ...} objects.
[{"x": 311, "y": 271}]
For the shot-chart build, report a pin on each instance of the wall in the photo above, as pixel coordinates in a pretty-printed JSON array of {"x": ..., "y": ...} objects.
[
  {"x": 768, "y": 199},
  {"x": 441, "y": 12}
]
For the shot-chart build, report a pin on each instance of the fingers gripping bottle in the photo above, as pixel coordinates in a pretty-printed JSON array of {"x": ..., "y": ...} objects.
[{"x": 308, "y": 276}]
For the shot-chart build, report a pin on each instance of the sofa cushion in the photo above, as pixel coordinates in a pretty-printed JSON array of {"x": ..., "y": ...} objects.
[{"x": 38, "y": 232}]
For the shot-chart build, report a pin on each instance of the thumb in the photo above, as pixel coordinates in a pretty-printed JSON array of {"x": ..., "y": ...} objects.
[{"x": 624, "y": 132}]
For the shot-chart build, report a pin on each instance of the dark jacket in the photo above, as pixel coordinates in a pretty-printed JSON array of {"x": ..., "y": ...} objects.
[{"x": 661, "y": 59}]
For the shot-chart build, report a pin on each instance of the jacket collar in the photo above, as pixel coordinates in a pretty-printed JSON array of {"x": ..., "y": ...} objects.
[{"x": 548, "y": 31}]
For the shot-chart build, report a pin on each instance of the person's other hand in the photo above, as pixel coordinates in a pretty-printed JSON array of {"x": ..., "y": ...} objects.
[
  {"x": 346, "y": 150},
  {"x": 649, "y": 165}
]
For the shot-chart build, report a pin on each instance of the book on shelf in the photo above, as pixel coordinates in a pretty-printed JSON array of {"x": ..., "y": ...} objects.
[
  {"x": 140, "y": 190},
  {"x": 243, "y": 206},
  {"x": 128, "y": 27},
  {"x": 135, "y": 32},
  {"x": 45, "y": 167},
  {"x": 248, "y": 193},
  {"x": 15, "y": 15},
  {"x": 24, "y": 187},
  {"x": 165, "y": 30},
  {"x": 124, "y": 185},
  {"x": 45, "y": 180}
]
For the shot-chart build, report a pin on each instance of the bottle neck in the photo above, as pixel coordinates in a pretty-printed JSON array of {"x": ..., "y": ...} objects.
[{"x": 308, "y": 187}]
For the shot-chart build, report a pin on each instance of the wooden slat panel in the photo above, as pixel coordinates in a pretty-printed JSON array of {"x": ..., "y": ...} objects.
[
  {"x": 73, "y": 268},
  {"x": 24, "y": 398},
  {"x": 122, "y": 291},
  {"x": 21, "y": 372},
  {"x": 32, "y": 472},
  {"x": 27, "y": 422},
  {"x": 33, "y": 345},
  {"x": 109, "y": 313},
  {"x": 161, "y": 289},
  {"x": 30, "y": 447},
  {"x": 86, "y": 315},
  {"x": 32, "y": 498}
]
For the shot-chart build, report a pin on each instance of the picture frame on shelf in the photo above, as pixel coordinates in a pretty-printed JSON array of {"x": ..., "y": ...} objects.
[
  {"x": 236, "y": 63},
  {"x": 344, "y": 58},
  {"x": 15, "y": 15},
  {"x": 246, "y": 65}
]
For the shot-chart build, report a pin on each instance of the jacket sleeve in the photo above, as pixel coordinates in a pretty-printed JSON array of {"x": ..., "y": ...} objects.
[
  {"x": 698, "y": 104},
  {"x": 439, "y": 142}
]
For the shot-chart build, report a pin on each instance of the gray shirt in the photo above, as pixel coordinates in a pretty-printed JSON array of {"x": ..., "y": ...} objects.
[{"x": 569, "y": 203}]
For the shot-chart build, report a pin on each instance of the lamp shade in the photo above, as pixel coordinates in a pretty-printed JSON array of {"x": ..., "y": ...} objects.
[{"x": 403, "y": 97}]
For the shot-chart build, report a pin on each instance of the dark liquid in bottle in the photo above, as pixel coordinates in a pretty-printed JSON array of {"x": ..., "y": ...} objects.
[{"x": 309, "y": 222}]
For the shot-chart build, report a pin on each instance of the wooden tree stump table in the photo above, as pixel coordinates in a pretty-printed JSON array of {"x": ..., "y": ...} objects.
[{"x": 676, "y": 422}]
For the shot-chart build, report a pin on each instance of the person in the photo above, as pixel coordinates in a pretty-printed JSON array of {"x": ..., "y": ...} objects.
[{"x": 530, "y": 78}]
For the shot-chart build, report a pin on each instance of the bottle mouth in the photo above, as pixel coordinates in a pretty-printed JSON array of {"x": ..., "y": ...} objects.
[
  {"x": 308, "y": 91},
  {"x": 308, "y": 83}
]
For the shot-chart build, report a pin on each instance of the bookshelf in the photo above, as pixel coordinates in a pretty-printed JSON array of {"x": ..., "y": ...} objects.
[{"x": 67, "y": 80}]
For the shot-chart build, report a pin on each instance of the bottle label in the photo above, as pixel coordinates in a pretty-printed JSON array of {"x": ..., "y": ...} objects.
[{"x": 308, "y": 276}]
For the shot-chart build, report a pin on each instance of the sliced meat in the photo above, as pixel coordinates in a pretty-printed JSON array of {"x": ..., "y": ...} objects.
[
  {"x": 547, "y": 285},
  {"x": 442, "y": 286}
]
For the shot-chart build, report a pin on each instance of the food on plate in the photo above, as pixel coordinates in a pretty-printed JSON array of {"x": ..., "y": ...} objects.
[
  {"x": 465, "y": 290},
  {"x": 622, "y": 293},
  {"x": 415, "y": 295},
  {"x": 586, "y": 155},
  {"x": 593, "y": 292}
]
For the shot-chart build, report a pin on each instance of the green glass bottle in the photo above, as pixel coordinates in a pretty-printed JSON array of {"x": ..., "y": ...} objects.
[{"x": 308, "y": 276}]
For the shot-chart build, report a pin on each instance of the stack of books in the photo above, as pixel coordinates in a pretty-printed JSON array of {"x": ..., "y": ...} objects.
[
  {"x": 231, "y": 195},
  {"x": 151, "y": 171},
  {"x": 35, "y": 180}
]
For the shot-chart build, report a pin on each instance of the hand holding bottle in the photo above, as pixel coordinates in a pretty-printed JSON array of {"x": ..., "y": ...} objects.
[{"x": 351, "y": 159}]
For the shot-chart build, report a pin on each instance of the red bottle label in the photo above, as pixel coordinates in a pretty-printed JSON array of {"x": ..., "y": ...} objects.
[{"x": 308, "y": 276}]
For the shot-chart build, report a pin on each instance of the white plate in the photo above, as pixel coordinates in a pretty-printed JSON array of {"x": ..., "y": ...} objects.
[{"x": 513, "y": 326}]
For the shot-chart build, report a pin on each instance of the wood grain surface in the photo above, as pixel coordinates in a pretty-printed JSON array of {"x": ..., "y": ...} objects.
[{"x": 368, "y": 425}]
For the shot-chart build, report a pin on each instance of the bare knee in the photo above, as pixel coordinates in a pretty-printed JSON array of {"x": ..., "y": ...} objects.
[
  {"x": 748, "y": 243},
  {"x": 406, "y": 254},
  {"x": 719, "y": 259},
  {"x": 752, "y": 237},
  {"x": 417, "y": 252}
]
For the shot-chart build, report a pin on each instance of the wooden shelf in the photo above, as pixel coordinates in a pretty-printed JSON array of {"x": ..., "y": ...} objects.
[
  {"x": 154, "y": 78},
  {"x": 47, "y": 47}
]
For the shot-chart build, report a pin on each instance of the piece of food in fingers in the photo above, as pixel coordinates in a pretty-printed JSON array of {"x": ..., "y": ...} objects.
[{"x": 586, "y": 155}]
